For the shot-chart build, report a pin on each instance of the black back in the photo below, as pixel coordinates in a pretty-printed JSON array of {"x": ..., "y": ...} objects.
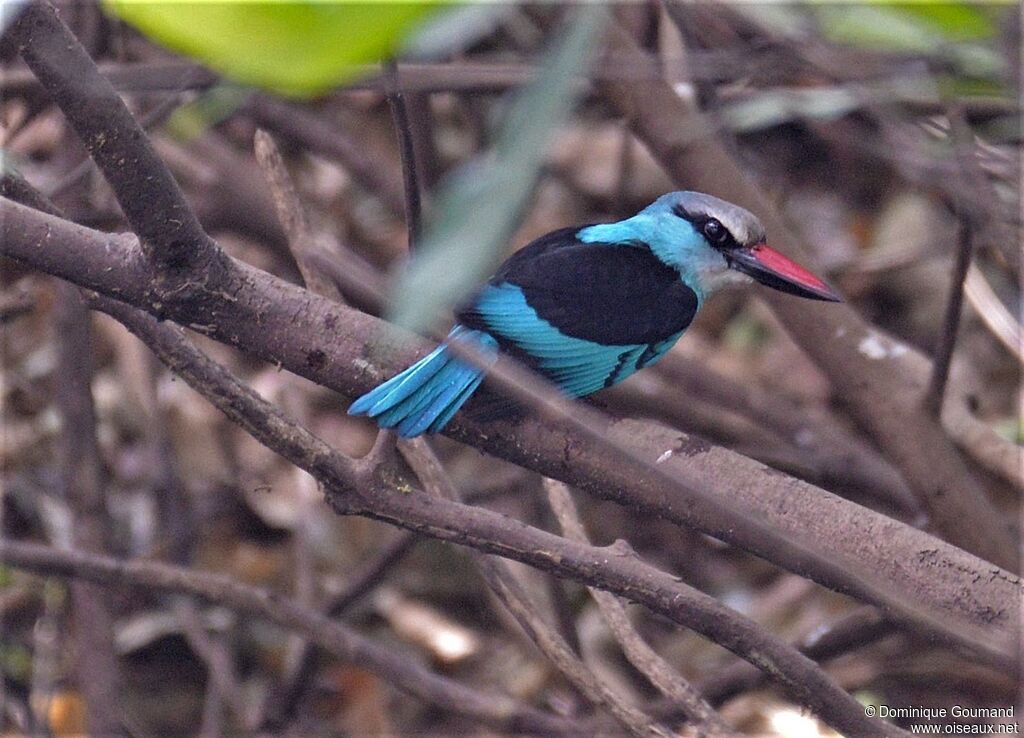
[{"x": 612, "y": 294}]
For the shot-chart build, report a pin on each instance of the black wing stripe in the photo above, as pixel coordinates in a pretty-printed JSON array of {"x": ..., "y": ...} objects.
[
  {"x": 611, "y": 294},
  {"x": 614, "y": 373}
]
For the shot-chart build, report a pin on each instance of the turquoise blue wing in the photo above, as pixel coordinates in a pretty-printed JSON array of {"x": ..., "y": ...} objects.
[{"x": 578, "y": 366}]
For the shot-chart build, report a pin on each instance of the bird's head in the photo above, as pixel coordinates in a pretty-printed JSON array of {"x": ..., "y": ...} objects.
[{"x": 713, "y": 242}]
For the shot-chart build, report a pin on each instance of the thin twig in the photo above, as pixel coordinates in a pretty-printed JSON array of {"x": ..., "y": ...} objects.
[
  {"x": 659, "y": 672},
  {"x": 962, "y": 139},
  {"x": 293, "y": 216},
  {"x": 407, "y": 151},
  {"x": 936, "y": 391}
]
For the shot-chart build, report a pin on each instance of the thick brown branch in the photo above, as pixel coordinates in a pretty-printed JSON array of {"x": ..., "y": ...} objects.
[
  {"x": 351, "y": 352},
  {"x": 153, "y": 204}
]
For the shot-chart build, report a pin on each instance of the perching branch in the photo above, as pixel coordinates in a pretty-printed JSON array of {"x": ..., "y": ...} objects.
[{"x": 318, "y": 339}]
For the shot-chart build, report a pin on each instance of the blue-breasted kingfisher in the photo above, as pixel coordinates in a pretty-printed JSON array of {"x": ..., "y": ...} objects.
[{"x": 588, "y": 306}]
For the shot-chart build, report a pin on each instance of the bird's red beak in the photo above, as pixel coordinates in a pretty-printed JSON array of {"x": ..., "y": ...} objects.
[{"x": 771, "y": 268}]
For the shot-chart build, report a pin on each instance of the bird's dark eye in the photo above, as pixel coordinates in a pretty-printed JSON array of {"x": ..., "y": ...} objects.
[{"x": 715, "y": 233}]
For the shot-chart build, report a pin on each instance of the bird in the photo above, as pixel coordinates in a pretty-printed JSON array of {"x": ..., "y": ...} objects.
[{"x": 587, "y": 306}]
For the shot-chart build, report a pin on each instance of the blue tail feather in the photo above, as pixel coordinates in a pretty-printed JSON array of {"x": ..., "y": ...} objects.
[
  {"x": 453, "y": 407},
  {"x": 424, "y": 397}
]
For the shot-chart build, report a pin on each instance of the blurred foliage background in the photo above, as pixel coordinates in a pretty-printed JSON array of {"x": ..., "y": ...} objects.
[{"x": 839, "y": 111}]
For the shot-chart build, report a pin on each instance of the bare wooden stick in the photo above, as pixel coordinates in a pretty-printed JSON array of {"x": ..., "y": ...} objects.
[
  {"x": 410, "y": 173},
  {"x": 936, "y": 391},
  {"x": 962, "y": 139},
  {"x": 293, "y": 216}
]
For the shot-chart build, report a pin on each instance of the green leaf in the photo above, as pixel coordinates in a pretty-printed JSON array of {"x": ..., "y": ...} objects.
[
  {"x": 478, "y": 209},
  {"x": 920, "y": 29},
  {"x": 956, "y": 21},
  {"x": 875, "y": 27},
  {"x": 298, "y": 48},
  {"x": 210, "y": 108}
]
